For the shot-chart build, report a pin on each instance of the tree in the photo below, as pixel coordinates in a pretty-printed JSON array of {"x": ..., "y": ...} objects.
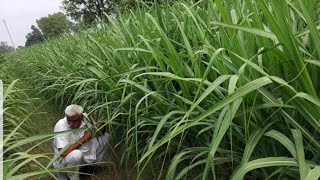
[
  {"x": 5, "y": 48},
  {"x": 87, "y": 11},
  {"x": 34, "y": 37},
  {"x": 53, "y": 25}
]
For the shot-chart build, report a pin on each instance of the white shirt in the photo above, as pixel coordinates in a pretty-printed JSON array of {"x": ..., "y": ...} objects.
[{"x": 63, "y": 140}]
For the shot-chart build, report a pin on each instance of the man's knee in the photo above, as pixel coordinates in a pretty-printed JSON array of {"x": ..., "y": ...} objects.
[{"x": 74, "y": 157}]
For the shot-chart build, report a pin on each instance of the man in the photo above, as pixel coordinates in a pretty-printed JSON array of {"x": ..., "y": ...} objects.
[{"x": 77, "y": 142}]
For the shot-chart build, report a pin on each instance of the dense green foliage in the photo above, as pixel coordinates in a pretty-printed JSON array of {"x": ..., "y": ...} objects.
[
  {"x": 34, "y": 37},
  {"x": 88, "y": 12},
  {"x": 5, "y": 48},
  {"x": 210, "y": 90},
  {"x": 53, "y": 25},
  {"x": 20, "y": 141},
  {"x": 91, "y": 13}
]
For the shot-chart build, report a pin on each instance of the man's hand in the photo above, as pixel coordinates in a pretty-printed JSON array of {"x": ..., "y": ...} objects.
[
  {"x": 87, "y": 135},
  {"x": 100, "y": 129}
]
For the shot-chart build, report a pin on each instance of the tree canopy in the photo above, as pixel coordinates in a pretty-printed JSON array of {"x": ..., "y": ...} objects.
[
  {"x": 5, "y": 48},
  {"x": 34, "y": 37},
  {"x": 88, "y": 11},
  {"x": 49, "y": 27},
  {"x": 53, "y": 25}
]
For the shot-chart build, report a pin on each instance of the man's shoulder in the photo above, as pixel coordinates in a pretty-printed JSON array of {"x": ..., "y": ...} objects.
[{"x": 61, "y": 125}]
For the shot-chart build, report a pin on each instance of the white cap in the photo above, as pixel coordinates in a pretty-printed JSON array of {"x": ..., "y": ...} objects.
[{"x": 73, "y": 110}]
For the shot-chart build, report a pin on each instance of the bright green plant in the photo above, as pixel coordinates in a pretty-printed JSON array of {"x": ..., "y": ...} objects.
[{"x": 201, "y": 90}]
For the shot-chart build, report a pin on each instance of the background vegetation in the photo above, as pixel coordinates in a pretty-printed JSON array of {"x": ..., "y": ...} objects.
[
  {"x": 203, "y": 90},
  {"x": 5, "y": 48}
]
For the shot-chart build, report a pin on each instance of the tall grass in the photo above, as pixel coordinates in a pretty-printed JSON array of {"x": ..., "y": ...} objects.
[
  {"x": 21, "y": 143},
  {"x": 203, "y": 90}
]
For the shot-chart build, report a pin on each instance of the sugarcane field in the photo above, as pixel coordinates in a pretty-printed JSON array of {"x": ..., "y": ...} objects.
[{"x": 160, "y": 89}]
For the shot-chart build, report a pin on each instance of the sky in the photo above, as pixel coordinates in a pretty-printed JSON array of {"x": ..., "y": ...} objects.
[{"x": 19, "y": 15}]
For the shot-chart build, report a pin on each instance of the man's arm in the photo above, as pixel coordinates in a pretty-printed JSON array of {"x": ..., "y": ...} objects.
[{"x": 87, "y": 135}]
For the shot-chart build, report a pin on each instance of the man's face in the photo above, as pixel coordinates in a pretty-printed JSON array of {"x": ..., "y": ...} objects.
[{"x": 75, "y": 121}]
